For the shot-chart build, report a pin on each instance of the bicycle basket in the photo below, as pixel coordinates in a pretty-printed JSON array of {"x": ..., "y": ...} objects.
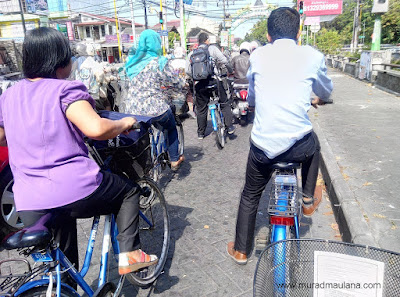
[
  {"x": 283, "y": 198},
  {"x": 317, "y": 267}
]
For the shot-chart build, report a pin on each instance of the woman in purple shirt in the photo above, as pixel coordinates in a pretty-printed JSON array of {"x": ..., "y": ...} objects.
[{"x": 43, "y": 120}]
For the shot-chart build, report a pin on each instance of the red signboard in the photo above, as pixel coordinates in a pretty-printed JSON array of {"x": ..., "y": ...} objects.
[
  {"x": 321, "y": 7},
  {"x": 70, "y": 31}
]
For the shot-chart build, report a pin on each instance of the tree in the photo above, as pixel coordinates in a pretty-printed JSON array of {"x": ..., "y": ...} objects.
[
  {"x": 329, "y": 42},
  {"x": 258, "y": 32},
  {"x": 391, "y": 23}
]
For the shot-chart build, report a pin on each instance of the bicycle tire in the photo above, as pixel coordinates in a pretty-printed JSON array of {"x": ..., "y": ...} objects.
[
  {"x": 220, "y": 135},
  {"x": 181, "y": 139},
  {"x": 153, "y": 240},
  {"x": 41, "y": 292}
]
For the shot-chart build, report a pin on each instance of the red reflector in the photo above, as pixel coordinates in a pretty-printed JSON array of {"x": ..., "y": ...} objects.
[
  {"x": 282, "y": 221},
  {"x": 243, "y": 94}
]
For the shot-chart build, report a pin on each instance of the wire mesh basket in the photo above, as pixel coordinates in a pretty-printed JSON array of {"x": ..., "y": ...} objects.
[
  {"x": 317, "y": 267},
  {"x": 11, "y": 282},
  {"x": 284, "y": 198}
]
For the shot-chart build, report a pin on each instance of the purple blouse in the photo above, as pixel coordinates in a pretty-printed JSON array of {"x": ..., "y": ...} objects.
[{"x": 47, "y": 154}]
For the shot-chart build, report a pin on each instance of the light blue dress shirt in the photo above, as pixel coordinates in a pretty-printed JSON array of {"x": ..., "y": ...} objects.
[{"x": 281, "y": 77}]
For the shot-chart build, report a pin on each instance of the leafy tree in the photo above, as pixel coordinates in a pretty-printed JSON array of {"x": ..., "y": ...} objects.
[
  {"x": 173, "y": 36},
  {"x": 258, "y": 32},
  {"x": 391, "y": 23},
  {"x": 328, "y": 41}
]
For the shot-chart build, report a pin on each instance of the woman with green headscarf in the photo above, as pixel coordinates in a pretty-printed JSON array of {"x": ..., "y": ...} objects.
[{"x": 149, "y": 75}]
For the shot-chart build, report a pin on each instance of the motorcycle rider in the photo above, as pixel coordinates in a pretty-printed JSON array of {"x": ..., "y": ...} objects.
[{"x": 241, "y": 64}]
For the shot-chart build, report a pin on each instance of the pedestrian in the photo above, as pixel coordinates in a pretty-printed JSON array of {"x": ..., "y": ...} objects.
[
  {"x": 281, "y": 78},
  {"x": 150, "y": 75},
  {"x": 203, "y": 94},
  {"x": 44, "y": 119}
]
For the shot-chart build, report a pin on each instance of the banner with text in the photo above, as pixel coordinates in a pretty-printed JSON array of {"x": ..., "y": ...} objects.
[{"x": 322, "y": 7}]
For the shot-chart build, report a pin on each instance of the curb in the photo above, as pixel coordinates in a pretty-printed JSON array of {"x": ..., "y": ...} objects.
[{"x": 348, "y": 212}]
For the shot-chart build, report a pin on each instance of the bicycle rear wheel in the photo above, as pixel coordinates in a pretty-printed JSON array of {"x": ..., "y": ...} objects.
[
  {"x": 153, "y": 231},
  {"x": 41, "y": 292},
  {"x": 220, "y": 136}
]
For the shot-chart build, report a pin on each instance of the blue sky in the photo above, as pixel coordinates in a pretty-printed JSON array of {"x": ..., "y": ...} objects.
[{"x": 212, "y": 8}]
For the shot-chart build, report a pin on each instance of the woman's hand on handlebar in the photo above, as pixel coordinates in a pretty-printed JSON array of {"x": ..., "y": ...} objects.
[{"x": 131, "y": 124}]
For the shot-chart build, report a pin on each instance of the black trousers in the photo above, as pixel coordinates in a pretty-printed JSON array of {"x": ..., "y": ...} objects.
[
  {"x": 203, "y": 98},
  {"x": 259, "y": 171},
  {"x": 115, "y": 195}
]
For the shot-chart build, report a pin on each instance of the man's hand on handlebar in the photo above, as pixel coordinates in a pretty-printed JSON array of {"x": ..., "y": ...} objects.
[{"x": 317, "y": 101}]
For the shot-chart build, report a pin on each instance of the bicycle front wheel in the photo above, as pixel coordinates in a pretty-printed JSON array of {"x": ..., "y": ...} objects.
[
  {"x": 41, "y": 292},
  {"x": 220, "y": 137},
  {"x": 153, "y": 231},
  {"x": 181, "y": 138}
]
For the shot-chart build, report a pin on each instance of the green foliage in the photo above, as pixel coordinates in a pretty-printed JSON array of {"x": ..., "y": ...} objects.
[
  {"x": 173, "y": 37},
  {"x": 328, "y": 41},
  {"x": 391, "y": 23},
  {"x": 258, "y": 32}
]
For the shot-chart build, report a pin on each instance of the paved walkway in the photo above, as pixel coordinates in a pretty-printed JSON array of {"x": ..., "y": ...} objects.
[{"x": 360, "y": 141}]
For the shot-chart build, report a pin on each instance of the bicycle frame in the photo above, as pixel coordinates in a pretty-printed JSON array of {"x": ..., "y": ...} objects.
[
  {"x": 214, "y": 107},
  {"x": 283, "y": 213}
]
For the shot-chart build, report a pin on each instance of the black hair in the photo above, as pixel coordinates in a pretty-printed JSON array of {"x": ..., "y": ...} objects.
[
  {"x": 244, "y": 50},
  {"x": 203, "y": 37},
  {"x": 283, "y": 22},
  {"x": 44, "y": 51}
]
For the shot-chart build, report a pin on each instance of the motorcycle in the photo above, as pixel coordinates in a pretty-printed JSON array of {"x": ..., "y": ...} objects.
[{"x": 240, "y": 106}]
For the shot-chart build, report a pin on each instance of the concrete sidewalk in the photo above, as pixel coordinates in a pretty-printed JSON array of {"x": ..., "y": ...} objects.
[{"x": 359, "y": 136}]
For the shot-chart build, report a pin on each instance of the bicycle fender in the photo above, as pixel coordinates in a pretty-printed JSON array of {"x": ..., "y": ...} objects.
[
  {"x": 43, "y": 282},
  {"x": 278, "y": 233},
  {"x": 213, "y": 119}
]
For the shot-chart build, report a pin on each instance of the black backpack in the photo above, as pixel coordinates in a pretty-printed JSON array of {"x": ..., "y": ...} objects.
[{"x": 201, "y": 63}]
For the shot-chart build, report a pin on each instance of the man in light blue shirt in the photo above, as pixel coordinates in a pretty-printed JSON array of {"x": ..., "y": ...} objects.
[{"x": 281, "y": 77}]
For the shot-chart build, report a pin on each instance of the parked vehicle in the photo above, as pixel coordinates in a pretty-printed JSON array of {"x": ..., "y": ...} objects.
[{"x": 9, "y": 218}]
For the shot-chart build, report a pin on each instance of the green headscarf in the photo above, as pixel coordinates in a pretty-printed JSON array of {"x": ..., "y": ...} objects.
[{"x": 149, "y": 48}]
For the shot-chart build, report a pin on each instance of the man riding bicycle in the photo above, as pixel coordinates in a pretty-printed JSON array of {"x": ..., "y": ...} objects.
[
  {"x": 203, "y": 94},
  {"x": 281, "y": 78}
]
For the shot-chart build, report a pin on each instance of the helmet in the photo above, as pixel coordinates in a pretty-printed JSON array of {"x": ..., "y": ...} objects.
[
  {"x": 245, "y": 46},
  {"x": 81, "y": 49},
  {"x": 254, "y": 44}
]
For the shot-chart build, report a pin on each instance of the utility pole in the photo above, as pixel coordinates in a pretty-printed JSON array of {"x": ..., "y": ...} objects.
[
  {"x": 118, "y": 35},
  {"x": 22, "y": 16},
  {"x": 182, "y": 24},
  {"x": 146, "y": 25},
  {"x": 133, "y": 23},
  {"x": 354, "y": 41},
  {"x": 162, "y": 27},
  {"x": 223, "y": 1}
]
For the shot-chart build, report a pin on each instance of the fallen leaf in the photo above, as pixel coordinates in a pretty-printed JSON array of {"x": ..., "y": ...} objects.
[
  {"x": 394, "y": 227},
  {"x": 328, "y": 213},
  {"x": 335, "y": 226},
  {"x": 378, "y": 137},
  {"x": 367, "y": 184},
  {"x": 377, "y": 215},
  {"x": 337, "y": 158},
  {"x": 345, "y": 176},
  {"x": 206, "y": 227}
]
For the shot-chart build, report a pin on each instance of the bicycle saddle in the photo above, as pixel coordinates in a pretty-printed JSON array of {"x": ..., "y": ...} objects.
[
  {"x": 36, "y": 235},
  {"x": 240, "y": 86},
  {"x": 286, "y": 166}
]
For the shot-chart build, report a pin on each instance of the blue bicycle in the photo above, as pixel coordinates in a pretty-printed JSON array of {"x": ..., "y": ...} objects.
[
  {"x": 217, "y": 117},
  {"x": 41, "y": 243},
  {"x": 284, "y": 213}
]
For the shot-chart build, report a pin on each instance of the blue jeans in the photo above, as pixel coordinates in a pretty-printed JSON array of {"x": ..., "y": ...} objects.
[{"x": 166, "y": 122}]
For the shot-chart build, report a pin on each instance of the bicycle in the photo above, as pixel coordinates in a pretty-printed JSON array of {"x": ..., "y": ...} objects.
[
  {"x": 159, "y": 146},
  {"x": 318, "y": 267},
  {"x": 284, "y": 210},
  {"x": 40, "y": 242},
  {"x": 217, "y": 117}
]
